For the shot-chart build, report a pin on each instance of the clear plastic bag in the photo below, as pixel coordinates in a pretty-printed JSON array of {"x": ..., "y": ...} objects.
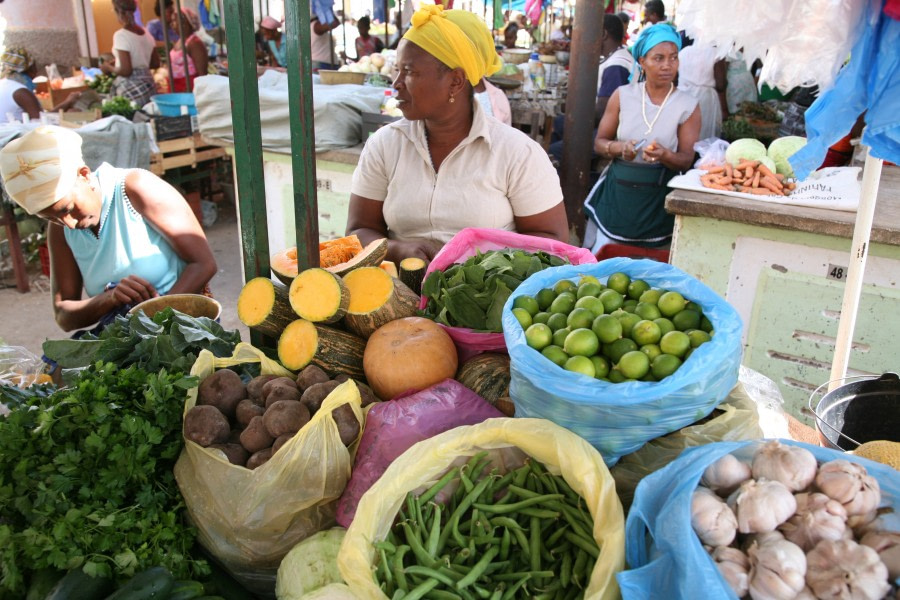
[
  {"x": 711, "y": 151},
  {"x": 20, "y": 367}
]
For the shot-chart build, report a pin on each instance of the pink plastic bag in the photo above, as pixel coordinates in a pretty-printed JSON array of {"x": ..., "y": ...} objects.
[
  {"x": 394, "y": 426},
  {"x": 464, "y": 245}
]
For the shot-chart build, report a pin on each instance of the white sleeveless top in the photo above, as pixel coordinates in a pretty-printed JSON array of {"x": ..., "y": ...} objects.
[
  {"x": 8, "y": 104},
  {"x": 676, "y": 111}
]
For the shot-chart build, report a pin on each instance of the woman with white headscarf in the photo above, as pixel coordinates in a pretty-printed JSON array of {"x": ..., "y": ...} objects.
[{"x": 135, "y": 52}]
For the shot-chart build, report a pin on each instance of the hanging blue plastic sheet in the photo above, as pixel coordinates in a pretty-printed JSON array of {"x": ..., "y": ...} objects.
[
  {"x": 666, "y": 557},
  {"x": 618, "y": 418}
]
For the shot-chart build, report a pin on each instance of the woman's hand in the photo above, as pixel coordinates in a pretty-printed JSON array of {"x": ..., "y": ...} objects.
[
  {"x": 424, "y": 249},
  {"x": 654, "y": 153},
  {"x": 133, "y": 289},
  {"x": 628, "y": 151}
]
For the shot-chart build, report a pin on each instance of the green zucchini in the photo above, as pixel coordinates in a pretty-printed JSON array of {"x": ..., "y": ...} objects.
[
  {"x": 42, "y": 582},
  {"x": 78, "y": 585},
  {"x": 155, "y": 582},
  {"x": 187, "y": 590}
]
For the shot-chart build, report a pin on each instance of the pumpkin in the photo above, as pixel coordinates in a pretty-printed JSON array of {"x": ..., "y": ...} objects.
[
  {"x": 412, "y": 273},
  {"x": 263, "y": 306},
  {"x": 332, "y": 350},
  {"x": 319, "y": 296},
  {"x": 408, "y": 355},
  {"x": 338, "y": 256},
  {"x": 487, "y": 375},
  {"x": 376, "y": 298}
]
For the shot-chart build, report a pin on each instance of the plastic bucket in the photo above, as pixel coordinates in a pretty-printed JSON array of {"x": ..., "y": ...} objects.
[
  {"x": 859, "y": 412},
  {"x": 169, "y": 105}
]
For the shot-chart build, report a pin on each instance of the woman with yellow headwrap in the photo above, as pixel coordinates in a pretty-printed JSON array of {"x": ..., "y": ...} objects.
[
  {"x": 447, "y": 165},
  {"x": 17, "y": 70}
]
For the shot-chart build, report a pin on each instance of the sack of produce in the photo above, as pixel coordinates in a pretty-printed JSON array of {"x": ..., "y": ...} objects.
[
  {"x": 393, "y": 427},
  {"x": 518, "y": 505},
  {"x": 618, "y": 418},
  {"x": 470, "y": 242},
  {"x": 250, "y": 512},
  {"x": 772, "y": 519}
]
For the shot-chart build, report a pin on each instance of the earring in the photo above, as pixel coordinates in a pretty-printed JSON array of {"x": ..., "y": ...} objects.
[{"x": 452, "y": 99}]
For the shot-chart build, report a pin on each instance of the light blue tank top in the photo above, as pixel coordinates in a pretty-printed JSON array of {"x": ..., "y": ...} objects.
[{"x": 126, "y": 244}]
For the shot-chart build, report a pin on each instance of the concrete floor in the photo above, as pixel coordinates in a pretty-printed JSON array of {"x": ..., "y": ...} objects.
[{"x": 27, "y": 319}]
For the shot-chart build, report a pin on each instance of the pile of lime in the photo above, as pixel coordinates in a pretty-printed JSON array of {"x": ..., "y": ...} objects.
[{"x": 620, "y": 331}]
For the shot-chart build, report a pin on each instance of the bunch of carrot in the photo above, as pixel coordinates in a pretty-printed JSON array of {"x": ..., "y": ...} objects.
[{"x": 749, "y": 177}]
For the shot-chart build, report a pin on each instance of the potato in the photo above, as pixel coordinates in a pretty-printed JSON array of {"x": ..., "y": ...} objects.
[
  {"x": 281, "y": 441},
  {"x": 235, "y": 436},
  {"x": 348, "y": 426},
  {"x": 315, "y": 395},
  {"x": 310, "y": 376},
  {"x": 255, "y": 437},
  {"x": 366, "y": 395},
  {"x": 235, "y": 453},
  {"x": 260, "y": 458},
  {"x": 246, "y": 410},
  {"x": 282, "y": 392},
  {"x": 285, "y": 416},
  {"x": 206, "y": 425},
  {"x": 223, "y": 389},
  {"x": 277, "y": 382},
  {"x": 341, "y": 377},
  {"x": 254, "y": 388}
]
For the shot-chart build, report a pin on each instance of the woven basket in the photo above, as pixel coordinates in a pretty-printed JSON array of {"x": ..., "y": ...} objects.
[{"x": 338, "y": 77}]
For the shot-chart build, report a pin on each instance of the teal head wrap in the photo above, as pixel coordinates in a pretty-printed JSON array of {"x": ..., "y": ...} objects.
[{"x": 650, "y": 37}]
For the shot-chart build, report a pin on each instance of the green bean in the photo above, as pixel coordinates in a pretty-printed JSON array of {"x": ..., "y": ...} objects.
[
  {"x": 501, "y": 521},
  {"x": 431, "y": 573},
  {"x": 439, "y": 485},
  {"x": 521, "y": 474},
  {"x": 498, "y": 594},
  {"x": 478, "y": 569},
  {"x": 397, "y": 567},
  {"x": 385, "y": 569},
  {"x": 557, "y": 534},
  {"x": 504, "y": 544},
  {"x": 535, "y": 544},
  {"x": 465, "y": 481},
  {"x": 518, "y": 575},
  {"x": 541, "y": 513},
  {"x": 519, "y": 534},
  {"x": 386, "y": 545},
  {"x": 576, "y": 521},
  {"x": 511, "y": 592},
  {"x": 463, "y": 506},
  {"x": 481, "y": 592},
  {"x": 457, "y": 536},
  {"x": 420, "y": 590},
  {"x": 398, "y": 595},
  {"x": 578, "y": 569},
  {"x": 442, "y": 595},
  {"x": 504, "y": 481},
  {"x": 565, "y": 569},
  {"x": 497, "y": 565},
  {"x": 435, "y": 534},
  {"x": 415, "y": 544},
  {"x": 517, "y": 506},
  {"x": 522, "y": 492},
  {"x": 461, "y": 556},
  {"x": 588, "y": 546}
]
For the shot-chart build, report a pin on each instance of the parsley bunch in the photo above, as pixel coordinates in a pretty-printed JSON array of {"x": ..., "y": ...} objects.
[{"x": 86, "y": 478}]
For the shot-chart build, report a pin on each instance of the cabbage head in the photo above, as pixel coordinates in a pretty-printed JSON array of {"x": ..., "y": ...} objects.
[
  {"x": 332, "y": 591},
  {"x": 768, "y": 162},
  {"x": 310, "y": 565},
  {"x": 781, "y": 149},
  {"x": 745, "y": 148}
]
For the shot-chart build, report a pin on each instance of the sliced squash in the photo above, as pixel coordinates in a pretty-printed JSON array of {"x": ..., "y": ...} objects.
[
  {"x": 263, "y": 305},
  {"x": 319, "y": 296},
  {"x": 376, "y": 298},
  {"x": 335, "y": 252},
  {"x": 390, "y": 268},
  {"x": 370, "y": 256},
  {"x": 334, "y": 351},
  {"x": 487, "y": 375},
  {"x": 338, "y": 256},
  {"x": 284, "y": 265},
  {"x": 412, "y": 272}
]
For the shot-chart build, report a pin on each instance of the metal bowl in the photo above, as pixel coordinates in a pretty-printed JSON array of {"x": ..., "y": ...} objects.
[
  {"x": 194, "y": 305},
  {"x": 516, "y": 56},
  {"x": 562, "y": 57}
]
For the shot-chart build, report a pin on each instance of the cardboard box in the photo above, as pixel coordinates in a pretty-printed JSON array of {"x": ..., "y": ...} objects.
[{"x": 56, "y": 96}]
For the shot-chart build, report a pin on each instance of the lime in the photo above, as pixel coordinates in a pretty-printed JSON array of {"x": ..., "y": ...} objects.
[
  {"x": 545, "y": 297},
  {"x": 698, "y": 337},
  {"x": 645, "y": 332},
  {"x": 556, "y": 355},
  {"x": 636, "y": 288},
  {"x": 647, "y": 311},
  {"x": 629, "y": 305},
  {"x": 665, "y": 325},
  {"x": 580, "y": 318},
  {"x": 686, "y": 319},
  {"x": 691, "y": 305},
  {"x": 601, "y": 366},
  {"x": 650, "y": 296},
  {"x": 611, "y": 300},
  {"x": 616, "y": 376},
  {"x": 589, "y": 279},
  {"x": 556, "y": 321},
  {"x": 671, "y": 303},
  {"x": 664, "y": 365},
  {"x": 523, "y": 317},
  {"x": 634, "y": 364},
  {"x": 581, "y": 342},
  {"x": 628, "y": 321},
  {"x": 564, "y": 285},
  {"x": 560, "y": 335},
  {"x": 580, "y": 364},
  {"x": 588, "y": 288},
  {"x": 528, "y": 303},
  {"x": 541, "y": 317},
  {"x": 618, "y": 282},
  {"x": 687, "y": 354},
  {"x": 563, "y": 303},
  {"x": 618, "y": 349},
  {"x": 649, "y": 378},
  {"x": 651, "y": 350},
  {"x": 593, "y": 304},
  {"x": 538, "y": 336},
  {"x": 607, "y": 328},
  {"x": 675, "y": 343},
  {"x": 706, "y": 325}
]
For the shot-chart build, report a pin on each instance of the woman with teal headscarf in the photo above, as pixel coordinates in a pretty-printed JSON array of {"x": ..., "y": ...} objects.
[{"x": 649, "y": 130}]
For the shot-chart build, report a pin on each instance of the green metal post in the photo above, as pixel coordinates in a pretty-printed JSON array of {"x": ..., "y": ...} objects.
[{"x": 303, "y": 143}]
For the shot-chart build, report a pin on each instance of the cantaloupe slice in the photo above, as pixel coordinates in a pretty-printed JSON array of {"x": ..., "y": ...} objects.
[
  {"x": 376, "y": 298},
  {"x": 263, "y": 306},
  {"x": 319, "y": 296},
  {"x": 335, "y": 351}
]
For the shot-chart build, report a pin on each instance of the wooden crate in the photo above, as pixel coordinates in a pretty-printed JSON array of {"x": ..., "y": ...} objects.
[{"x": 183, "y": 152}]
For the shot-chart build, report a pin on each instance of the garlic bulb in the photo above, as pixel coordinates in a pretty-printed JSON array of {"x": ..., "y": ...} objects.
[
  {"x": 818, "y": 517},
  {"x": 793, "y": 466},
  {"x": 735, "y": 568},
  {"x": 805, "y": 594},
  {"x": 849, "y": 484},
  {"x": 725, "y": 475},
  {"x": 887, "y": 545},
  {"x": 843, "y": 569},
  {"x": 712, "y": 520},
  {"x": 777, "y": 570},
  {"x": 762, "y": 505}
]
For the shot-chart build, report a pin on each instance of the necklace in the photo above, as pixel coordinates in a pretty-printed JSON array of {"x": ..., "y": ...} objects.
[{"x": 650, "y": 124}]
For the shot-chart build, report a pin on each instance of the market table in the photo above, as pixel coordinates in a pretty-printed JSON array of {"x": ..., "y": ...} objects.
[{"x": 783, "y": 267}]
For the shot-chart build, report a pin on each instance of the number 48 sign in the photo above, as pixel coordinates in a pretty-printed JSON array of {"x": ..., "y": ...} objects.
[{"x": 836, "y": 272}]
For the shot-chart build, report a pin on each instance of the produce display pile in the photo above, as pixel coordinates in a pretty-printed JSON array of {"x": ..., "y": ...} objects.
[
  {"x": 623, "y": 330},
  {"x": 749, "y": 177},
  {"x": 102, "y": 83},
  {"x": 522, "y": 534},
  {"x": 784, "y": 526}
]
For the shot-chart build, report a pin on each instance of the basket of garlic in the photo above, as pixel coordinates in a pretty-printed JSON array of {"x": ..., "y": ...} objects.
[{"x": 766, "y": 520}]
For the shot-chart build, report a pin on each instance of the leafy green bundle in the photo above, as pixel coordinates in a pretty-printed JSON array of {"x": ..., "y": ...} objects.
[
  {"x": 472, "y": 294},
  {"x": 86, "y": 478}
]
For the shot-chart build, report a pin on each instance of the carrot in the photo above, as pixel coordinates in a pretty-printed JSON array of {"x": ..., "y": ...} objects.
[
  {"x": 756, "y": 191},
  {"x": 714, "y": 170},
  {"x": 774, "y": 182},
  {"x": 744, "y": 163},
  {"x": 749, "y": 173},
  {"x": 723, "y": 181},
  {"x": 768, "y": 185},
  {"x": 779, "y": 177},
  {"x": 756, "y": 179},
  {"x": 716, "y": 186},
  {"x": 765, "y": 170},
  {"x": 729, "y": 170},
  {"x": 791, "y": 186}
]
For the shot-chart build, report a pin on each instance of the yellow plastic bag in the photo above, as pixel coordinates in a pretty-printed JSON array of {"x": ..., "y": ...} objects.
[
  {"x": 561, "y": 451},
  {"x": 249, "y": 519}
]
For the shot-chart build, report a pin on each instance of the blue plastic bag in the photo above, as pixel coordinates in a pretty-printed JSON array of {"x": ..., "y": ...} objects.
[
  {"x": 619, "y": 418},
  {"x": 666, "y": 557}
]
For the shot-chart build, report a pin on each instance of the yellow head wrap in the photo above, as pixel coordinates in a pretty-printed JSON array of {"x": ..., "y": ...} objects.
[{"x": 456, "y": 38}]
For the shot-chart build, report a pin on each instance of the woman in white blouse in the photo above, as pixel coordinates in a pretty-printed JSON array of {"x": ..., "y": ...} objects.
[{"x": 135, "y": 52}]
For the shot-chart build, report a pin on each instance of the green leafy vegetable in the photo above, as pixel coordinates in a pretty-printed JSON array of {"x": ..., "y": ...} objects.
[
  {"x": 118, "y": 106},
  {"x": 472, "y": 294},
  {"x": 86, "y": 478}
]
